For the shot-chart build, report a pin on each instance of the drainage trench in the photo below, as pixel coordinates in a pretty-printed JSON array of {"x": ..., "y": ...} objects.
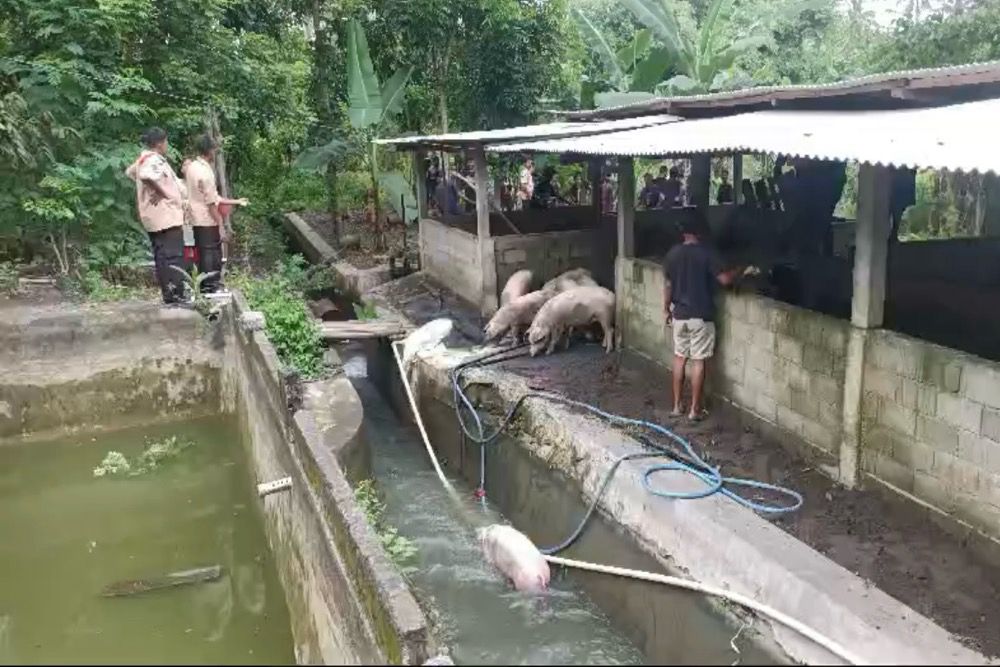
[{"x": 585, "y": 618}]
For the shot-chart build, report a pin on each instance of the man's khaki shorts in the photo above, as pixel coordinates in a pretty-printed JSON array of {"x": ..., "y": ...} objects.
[{"x": 694, "y": 339}]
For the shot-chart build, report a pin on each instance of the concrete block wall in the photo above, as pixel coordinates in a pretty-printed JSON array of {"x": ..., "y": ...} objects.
[
  {"x": 783, "y": 364},
  {"x": 931, "y": 425},
  {"x": 548, "y": 255},
  {"x": 451, "y": 257}
]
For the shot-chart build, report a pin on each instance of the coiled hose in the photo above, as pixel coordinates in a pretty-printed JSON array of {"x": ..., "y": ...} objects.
[{"x": 683, "y": 459}]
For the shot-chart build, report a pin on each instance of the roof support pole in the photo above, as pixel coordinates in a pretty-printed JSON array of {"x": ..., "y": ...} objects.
[
  {"x": 738, "y": 178},
  {"x": 700, "y": 180},
  {"x": 626, "y": 207},
  {"x": 420, "y": 180},
  {"x": 487, "y": 262},
  {"x": 594, "y": 176},
  {"x": 868, "y": 308}
]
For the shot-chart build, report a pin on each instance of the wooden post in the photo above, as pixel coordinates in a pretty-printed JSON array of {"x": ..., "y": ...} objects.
[
  {"x": 868, "y": 308},
  {"x": 737, "y": 177},
  {"x": 420, "y": 178},
  {"x": 871, "y": 246},
  {"x": 594, "y": 175},
  {"x": 489, "y": 301},
  {"x": 220, "y": 157},
  {"x": 626, "y": 207},
  {"x": 700, "y": 181}
]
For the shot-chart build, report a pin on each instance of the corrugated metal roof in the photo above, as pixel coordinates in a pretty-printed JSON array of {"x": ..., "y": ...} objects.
[
  {"x": 906, "y": 86},
  {"x": 961, "y": 137},
  {"x": 459, "y": 140}
]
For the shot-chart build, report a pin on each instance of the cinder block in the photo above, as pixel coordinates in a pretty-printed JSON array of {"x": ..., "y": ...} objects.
[
  {"x": 973, "y": 509},
  {"x": 831, "y": 414},
  {"x": 937, "y": 434},
  {"x": 870, "y": 407},
  {"x": 781, "y": 321},
  {"x": 913, "y": 455},
  {"x": 826, "y": 389},
  {"x": 990, "y": 426},
  {"x": 881, "y": 381},
  {"x": 789, "y": 348},
  {"x": 790, "y": 420},
  {"x": 817, "y": 434},
  {"x": 893, "y": 472},
  {"x": 955, "y": 474},
  {"x": 817, "y": 360},
  {"x": 930, "y": 489},
  {"x": 734, "y": 306},
  {"x": 758, "y": 313},
  {"x": 805, "y": 404},
  {"x": 898, "y": 418},
  {"x": 975, "y": 449},
  {"x": 982, "y": 384},
  {"x": 959, "y": 411},
  {"x": 766, "y": 407},
  {"x": 835, "y": 337}
]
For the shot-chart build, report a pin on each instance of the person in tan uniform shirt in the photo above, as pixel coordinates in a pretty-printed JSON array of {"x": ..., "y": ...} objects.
[
  {"x": 205, "y": 206},
  {"x": 160, "y": 199}
]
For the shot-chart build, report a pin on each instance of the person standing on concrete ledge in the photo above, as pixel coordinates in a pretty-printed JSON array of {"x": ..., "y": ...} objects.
[
  {"x": 206, "y": 206},
  {"x": 160, "y": 198},
  {"x": 692, "y": 270}
]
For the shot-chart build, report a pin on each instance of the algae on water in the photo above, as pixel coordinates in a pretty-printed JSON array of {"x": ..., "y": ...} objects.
[{"x": 156, "y": 452}]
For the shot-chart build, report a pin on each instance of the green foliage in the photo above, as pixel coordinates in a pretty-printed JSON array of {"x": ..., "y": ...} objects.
[
  {"x": 365, "y": 311},
  {"x": 9, "y": 278},
  {"x": 157, "y": 452},
  {"x": 289, "y": 325},
  {"x": 400, "y": 549},
  {"x": 944, "y": 39}
]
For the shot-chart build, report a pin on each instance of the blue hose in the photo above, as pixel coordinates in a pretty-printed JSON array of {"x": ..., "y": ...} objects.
[{"x": 684, "y": 460}]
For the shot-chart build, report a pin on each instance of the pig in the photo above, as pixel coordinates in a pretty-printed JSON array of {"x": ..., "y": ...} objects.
[
  {"x": 517, "y": 285},
  {"x": 515, "y": 556},
  {"x": 517, "y": 315},
  {"x": 576, "y": 307},
  {"x": 569, "y": 280}
]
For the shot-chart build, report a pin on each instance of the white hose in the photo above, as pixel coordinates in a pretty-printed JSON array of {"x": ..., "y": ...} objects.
[
  {"x": 742, "y": 600},
  {"x": 420, "y": 424}
]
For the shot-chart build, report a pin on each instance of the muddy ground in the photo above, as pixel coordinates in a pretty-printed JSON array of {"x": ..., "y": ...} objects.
[
  {"x": 891, "y": 544},
  {"x": 365, "y": 256}
]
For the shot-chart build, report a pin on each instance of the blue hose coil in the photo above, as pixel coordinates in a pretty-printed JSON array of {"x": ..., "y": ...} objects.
[{"x": 686, "y": 460}]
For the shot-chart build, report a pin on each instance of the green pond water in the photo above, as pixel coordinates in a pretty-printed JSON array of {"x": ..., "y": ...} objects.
[{"x": 65, "y": 535}]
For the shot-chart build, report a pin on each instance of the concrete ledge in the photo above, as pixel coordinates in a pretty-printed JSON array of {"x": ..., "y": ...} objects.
[
  {"x": 352, "y": 603},
  {"x": 349, "y": 279}
]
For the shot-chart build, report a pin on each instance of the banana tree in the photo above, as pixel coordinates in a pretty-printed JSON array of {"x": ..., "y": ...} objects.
[
  {"x": 632, "y": 71},
  {"x": 706, "y": 60},
  {"x": 370, "y": 105}
]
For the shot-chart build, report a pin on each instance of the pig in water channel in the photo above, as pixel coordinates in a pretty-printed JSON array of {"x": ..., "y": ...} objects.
[{"x": 515, "y": 556}]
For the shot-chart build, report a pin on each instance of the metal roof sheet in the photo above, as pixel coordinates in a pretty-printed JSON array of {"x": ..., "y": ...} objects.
[
  {"x": 904, "y": 84},
  {"x": 961, "y": 137},
  {"x": 458, "y": 140}
]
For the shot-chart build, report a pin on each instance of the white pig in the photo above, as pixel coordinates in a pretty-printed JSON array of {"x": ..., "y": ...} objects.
[
  {"x": 576, "y": 307},
  {"x": 515, "y": 556},
  {"x": 570, "y": 279},
  {"x": 517, "y": 315},
  {"x": 517, "y": 285}
]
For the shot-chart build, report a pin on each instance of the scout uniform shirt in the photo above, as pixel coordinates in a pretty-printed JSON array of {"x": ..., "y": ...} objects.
[
  {"x": 202, "y": 192},
  {"x": 155, "y": 212}
]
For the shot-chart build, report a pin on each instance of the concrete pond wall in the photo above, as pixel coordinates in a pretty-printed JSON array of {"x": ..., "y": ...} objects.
[
  {"x": 66, "y": 368},
  {"x": 930, "y": 423}
]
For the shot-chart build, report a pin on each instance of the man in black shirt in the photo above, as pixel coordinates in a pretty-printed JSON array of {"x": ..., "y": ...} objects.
[{"x": 693, "y": 270}]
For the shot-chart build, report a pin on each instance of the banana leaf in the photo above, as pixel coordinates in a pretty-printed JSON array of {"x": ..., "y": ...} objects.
[
  {"x": 394, "y": 91},
  {"x": 650, "y": 70},
  {"x": 364, "y": 94},
  {"x": 394, "y": 184}
]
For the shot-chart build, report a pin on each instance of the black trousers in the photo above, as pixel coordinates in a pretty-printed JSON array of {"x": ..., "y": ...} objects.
[
  {"x": 168, "y": 251},
  {"x": 209, "y": 245}
]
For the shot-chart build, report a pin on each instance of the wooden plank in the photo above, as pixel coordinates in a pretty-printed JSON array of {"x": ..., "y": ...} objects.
[
  {"x": 172, "y": 580},
  {"x": 354, "y": 329}
]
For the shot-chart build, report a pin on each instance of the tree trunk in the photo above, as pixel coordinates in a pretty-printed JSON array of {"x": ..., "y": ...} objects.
[
  {"x": 321, "y": 93},
  {"x": 376, "y": 203}
]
